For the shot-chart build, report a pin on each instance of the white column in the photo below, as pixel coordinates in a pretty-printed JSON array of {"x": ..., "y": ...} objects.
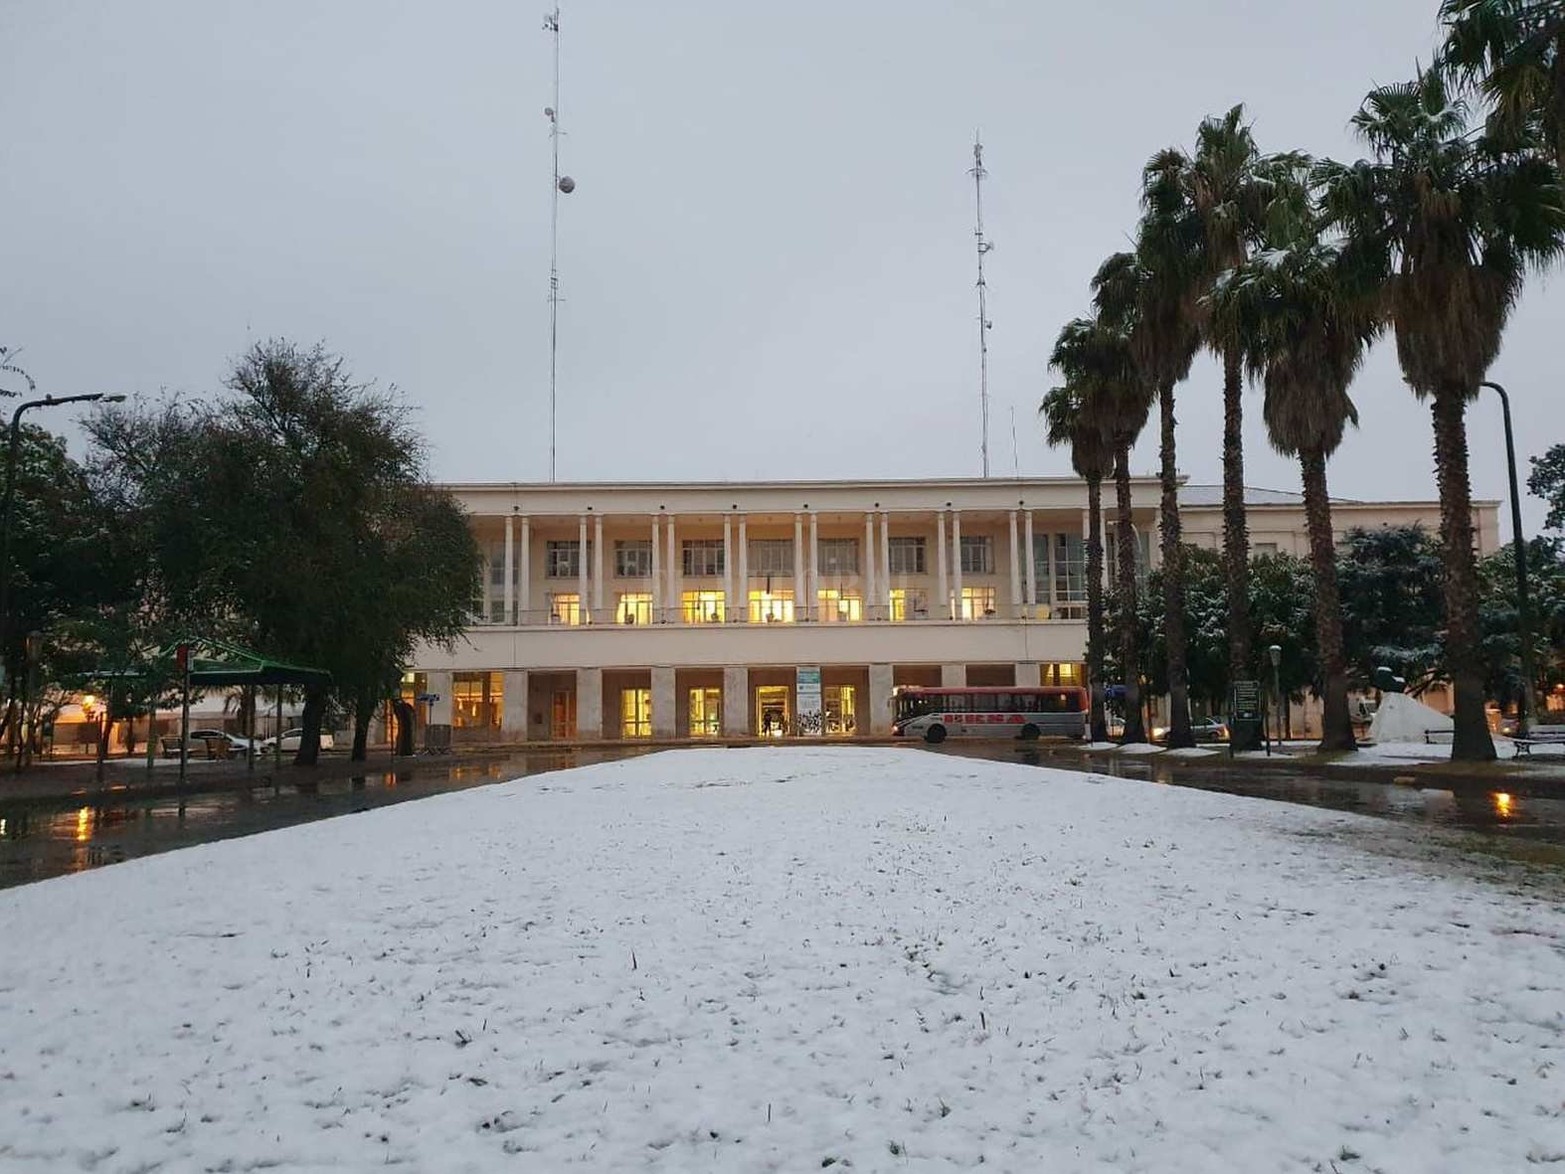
[
  {"x": 513, "y": 705},
  {"x": 815, "y": 568},
  {"x": 956, "y": 565},
  {"x": 597, "y": 568},
  {"x": 657, "y": 575},
  {"x": 440, "y": 685},
  {"x": 583, "y": 602},
  {"x": 510, "y": 570},
  {"x": 589, "y": 705},
  {"x": 672, "y": 570},
  {"x": 1032, "y": 571},
  {"x": 729, "y": 570},
  {"x": 799, "y": 579},
  {"x": 869, "y": 566},
  {"x": 1016, "y": 572},
  {"x": 525, "y": 601},
  {"x": 664, "y": 703},
  {"x": 736, "y": 693},
  {"x": 885, "y": 562},
  {"x": 744, "y": 600},
  {"x": 880, "y": 686},
  {"x": 943, "y": 603}
]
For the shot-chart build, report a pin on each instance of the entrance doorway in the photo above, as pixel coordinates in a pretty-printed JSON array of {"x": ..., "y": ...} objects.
[
  {"x": 773, "y": 710},
  {"x": 562, "y": 715},
  {"x": 706, "y": 713},
  {"x": 841, "y": 705}
]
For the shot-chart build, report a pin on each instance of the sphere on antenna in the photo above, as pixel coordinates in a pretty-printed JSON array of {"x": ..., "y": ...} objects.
[{"x": 567, "y": 184}]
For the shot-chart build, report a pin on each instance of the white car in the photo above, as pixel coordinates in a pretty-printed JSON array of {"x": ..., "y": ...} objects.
[{"x": 291, "y": 741}]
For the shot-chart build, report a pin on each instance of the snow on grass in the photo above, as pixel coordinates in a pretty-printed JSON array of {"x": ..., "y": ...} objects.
[{"x": 785, "y": 959}]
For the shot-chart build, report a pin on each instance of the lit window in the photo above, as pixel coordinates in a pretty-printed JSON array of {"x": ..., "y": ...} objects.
[
  {"x": 906, "y": 556},
  {"x": 706, "y": 713},
  {"x": 476, "y": 700},
  {"x": 841, "y": 709},
  {"x": 565, "y": 608},
  {"x": 771, "y": 607},
  {"x": 838, "y": 556},
  {"x": 635, "y": 710},
  {"x": 703, "y": 558},
  {"x": 634, "y": 608},
  {"x": 702, "y": 607},
  {"x": 839, "y": 607},
  {"x": 977, "y": 554},
  {"x": 633, "y": 559},
  {"x": 771, "y": 556},
  {"x": 976, "y": 603},
  {"x": 910, "y": 603}
]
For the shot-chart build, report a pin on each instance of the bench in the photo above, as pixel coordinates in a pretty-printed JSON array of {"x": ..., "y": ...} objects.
[
  {"x": 1443, "y": 735},
  {"x": 1539, "y": 737}
]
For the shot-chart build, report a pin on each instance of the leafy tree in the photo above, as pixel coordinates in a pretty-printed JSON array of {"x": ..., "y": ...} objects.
[
  {"x": 1391, "y": 605},
  {"x": 1498, "y": 619},
  {"x": 1452, "y": 223},
  {"x": 292, "y": 516},
  {"x": 1547, "y": 480}
]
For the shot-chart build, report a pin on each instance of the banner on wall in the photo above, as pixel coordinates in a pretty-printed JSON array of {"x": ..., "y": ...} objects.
[{"x": 807, "y": 700}]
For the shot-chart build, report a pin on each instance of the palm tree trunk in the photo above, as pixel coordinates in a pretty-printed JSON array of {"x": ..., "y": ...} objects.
[
  {"x": 1098, "y": 726},
  {"x": 1125, "y": 593},
  {"x": 1179, "y": 734},
  {"x": 363, "y": 713},
  {"x": 1336, "y": 724},
  {"x": 1470, "y": 741},
  {"x": 310, "y": 722},
  {"x": 1236, "y": 535}
]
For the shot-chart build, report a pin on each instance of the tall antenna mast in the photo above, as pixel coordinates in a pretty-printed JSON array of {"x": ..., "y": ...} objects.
[
  {"x": 551, "y": 24},
  {"x": 978, "y": 173}
]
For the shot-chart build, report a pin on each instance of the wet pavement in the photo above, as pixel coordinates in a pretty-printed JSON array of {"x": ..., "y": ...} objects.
[
  {"x": 39, "y": 839},
  {"x": 1514, "y": 815}
]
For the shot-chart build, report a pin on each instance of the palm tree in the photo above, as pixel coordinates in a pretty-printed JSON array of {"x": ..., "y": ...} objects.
[
  {"x": 1308, "y": 312},
  {"x": 1070, "y": 415},
  {"x": 1155, "y": 293},
  {"x": 1451, "y": 223},
  {"x": 1227, "y": 186},
  {"x": 1099, "y": 349},
  {"x": 1514, "y": 51}
]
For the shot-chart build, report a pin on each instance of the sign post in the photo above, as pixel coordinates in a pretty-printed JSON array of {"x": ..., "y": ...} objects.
[
  {"x": 807, "y": 701},
  {"x": 182, "y": 662}
]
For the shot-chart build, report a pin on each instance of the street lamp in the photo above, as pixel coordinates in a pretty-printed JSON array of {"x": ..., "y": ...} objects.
[
  {"x": 1526, "y": 707},
  {"x": 1274, "y": 654}
]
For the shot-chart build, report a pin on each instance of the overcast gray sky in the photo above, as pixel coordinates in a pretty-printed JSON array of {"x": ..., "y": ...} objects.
[{"x": 768, "y": 259}]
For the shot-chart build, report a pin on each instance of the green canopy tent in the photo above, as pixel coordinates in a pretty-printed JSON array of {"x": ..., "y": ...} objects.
[{"x": 216, "y": 664}]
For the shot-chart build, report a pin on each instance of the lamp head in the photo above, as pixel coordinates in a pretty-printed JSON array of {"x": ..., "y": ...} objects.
[{"x": 1275, "y": 653}]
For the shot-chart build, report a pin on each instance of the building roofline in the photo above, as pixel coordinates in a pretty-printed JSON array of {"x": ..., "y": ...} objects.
[{"x": 824, "y": 483}]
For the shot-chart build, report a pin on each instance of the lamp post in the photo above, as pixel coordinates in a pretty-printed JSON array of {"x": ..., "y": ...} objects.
[
  {"x": 1274, "y": 654},
  {"x": 1527, "y": 706}
]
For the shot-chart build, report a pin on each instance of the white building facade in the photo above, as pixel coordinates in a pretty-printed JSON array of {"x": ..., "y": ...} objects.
[{"x": 625, "y": 611}]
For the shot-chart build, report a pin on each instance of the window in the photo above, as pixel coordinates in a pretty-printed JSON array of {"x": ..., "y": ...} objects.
[
  {"x": 703, "y": 558},
  {"x": 702, "y": 607},
  {"x": 635, "y": 713},
  {"x": 476, "y": 701},
  {"x": 562, "y": 559},
  {"x": 633, "y": 558},
  {"x": 908, "y": 603},
  {"x": 840, "y": 703},
  {"x": 771, "y": 607},
  {"x": 564, "y": 608},
  {"x": 634, "y": 608},
  {"x": 906, "y": 556},
  {"x": 1259, "y": 548},
  {"x": 771, "y": 556},
  {"x": 1040, "y": 568},
  {"x": 1070, "y": 568},
  {"x": 838, "y": 556},
  {"x": 976, "y": 603},
  {"x": 839, "y": 607},
  {"x": 497, "y": 584},
  {"x": 1143, "y": 543},
  {"x": 706, "y": 713},
  {"x": 977, "y": 554}
]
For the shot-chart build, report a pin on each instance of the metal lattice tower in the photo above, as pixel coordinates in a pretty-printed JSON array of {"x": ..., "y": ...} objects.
[{"x": 984, "y": 246}]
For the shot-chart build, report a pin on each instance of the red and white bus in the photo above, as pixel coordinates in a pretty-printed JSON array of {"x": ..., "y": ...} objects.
[{"x": 1026, "y": 712}]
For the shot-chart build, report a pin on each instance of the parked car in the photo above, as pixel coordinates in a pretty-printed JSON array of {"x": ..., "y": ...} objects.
[
  {"x": 236, "y": 743},
  {"x": 291, "y": 741},
  {"x": 1204, "y": 729},
  {"x": 202, "y": 743}
]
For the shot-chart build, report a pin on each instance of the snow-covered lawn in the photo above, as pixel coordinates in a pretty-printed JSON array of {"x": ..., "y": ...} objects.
[{"x": 785, "y": 959}]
